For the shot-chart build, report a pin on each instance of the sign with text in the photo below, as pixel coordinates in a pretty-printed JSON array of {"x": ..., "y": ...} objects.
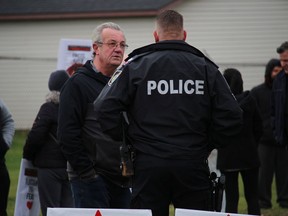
[
  {"x": 189, "y": 212},
  {"x": 27, "y": 196},
  {"x": 97, "y": 212},
  {"x": 73, "y": 51}
]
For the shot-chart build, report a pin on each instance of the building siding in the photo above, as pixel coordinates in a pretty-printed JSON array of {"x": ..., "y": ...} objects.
[{"x": 242, "y": 34}]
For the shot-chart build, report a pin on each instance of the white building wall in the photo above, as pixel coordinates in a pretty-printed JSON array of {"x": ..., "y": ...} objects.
[{"x": 242, "y": 34}]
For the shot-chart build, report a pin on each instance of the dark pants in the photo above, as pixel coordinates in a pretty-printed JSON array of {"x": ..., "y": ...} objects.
[
  {"x": 54, "y": 189},
  {"x": 99, "y": 193},
  {"x": 4, "y": 188},
  {"x": 250, "y": 182},
  {"x": 160, "y": 182},
  {"x": 274, "y": 161}
]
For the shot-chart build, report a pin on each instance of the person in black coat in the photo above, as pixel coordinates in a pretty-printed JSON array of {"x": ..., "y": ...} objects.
[
  {"x": 272, "y": 155},
  {"x": 279, "y": 118},
  {"x": 242, "y": 156},
  {"x": 43, "y": 150}
]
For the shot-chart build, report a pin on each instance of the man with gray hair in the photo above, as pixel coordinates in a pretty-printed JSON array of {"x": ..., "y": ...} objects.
[{"x": 93, "y": 158}]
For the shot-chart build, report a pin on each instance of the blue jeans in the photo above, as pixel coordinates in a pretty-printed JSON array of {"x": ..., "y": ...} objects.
[{"x": 99, "y": 193}]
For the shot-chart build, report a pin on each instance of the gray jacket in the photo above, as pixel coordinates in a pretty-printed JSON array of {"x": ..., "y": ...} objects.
[{"x": 7, "y": 129}]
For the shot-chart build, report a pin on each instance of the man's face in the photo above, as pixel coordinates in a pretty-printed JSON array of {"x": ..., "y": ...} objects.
[
  {"x": 284, "y": 60},
  {"x": 275, "y": 71},
  {"x": 110, "y": 52}
]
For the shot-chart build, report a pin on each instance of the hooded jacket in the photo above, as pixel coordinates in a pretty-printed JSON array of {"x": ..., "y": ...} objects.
[
  {"x": 262, "y": 94},
  {"x": 86, "y": 148},
  {"x": 242, "y": 153}
]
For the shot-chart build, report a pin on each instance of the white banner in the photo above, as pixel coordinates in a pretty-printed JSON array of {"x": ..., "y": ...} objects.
[
  {"x": 27, "y": 197},
  {"x": 73, "y": 51},
  {"x": 97, "y": 212},
  {"x": 189, "y": 212}
]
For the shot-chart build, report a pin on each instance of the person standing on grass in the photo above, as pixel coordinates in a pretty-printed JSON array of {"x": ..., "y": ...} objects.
[
  {"x": 177, "y": 102},
  {"x": 241, "y": 157},
  {"x": 42, "y": 148},
  {"x": 93, "y": 158},
  {"x": 7, "y": 131},
  {"x": 272, "y": 157},
  {"x": 280, "y": 120}
]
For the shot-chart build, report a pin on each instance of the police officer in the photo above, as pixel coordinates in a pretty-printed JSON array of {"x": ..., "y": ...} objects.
[{"x": 177, "y": 103}]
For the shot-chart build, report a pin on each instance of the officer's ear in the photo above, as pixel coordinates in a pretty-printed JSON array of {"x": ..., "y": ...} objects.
[
  {"x": 156, "y": 36},
  {"x": 184, "y": 35}
]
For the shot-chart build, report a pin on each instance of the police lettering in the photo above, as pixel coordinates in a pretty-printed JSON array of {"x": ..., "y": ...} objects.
[{"x": 176, "y": 87}]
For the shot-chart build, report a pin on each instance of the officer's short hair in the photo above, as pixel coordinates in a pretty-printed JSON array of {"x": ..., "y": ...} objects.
[{"x": 170, "y": 20}]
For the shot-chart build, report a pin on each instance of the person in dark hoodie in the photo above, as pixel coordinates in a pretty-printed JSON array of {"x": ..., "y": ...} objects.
[
  {"x": 272, "y": 157},
  {"x": 93, "y": 158},
  {"x": 242, "y": 156},
  {"x": 43, "y": 150}
]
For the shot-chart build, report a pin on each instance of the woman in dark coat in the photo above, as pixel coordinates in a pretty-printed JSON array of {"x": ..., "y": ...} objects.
[
  {"x": 43, "y": 150},
  {"x": 241, "y": 156}
]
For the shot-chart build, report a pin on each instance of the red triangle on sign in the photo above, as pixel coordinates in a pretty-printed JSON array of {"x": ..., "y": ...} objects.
[{"x": 98, "y": 213}]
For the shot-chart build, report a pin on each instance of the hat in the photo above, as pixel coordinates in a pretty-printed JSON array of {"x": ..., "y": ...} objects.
[
  {"x": 57, "y": 80},
  {"x": 283, "y": 47},
  {"x": 234, "y": 80}
]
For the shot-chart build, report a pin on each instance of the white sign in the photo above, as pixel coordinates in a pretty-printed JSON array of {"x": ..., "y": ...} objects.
[
  {"x": 189, "y": 212},
  {"x": 73, "y": 51},
  {"x": 27, "y": 196},
  {"x": 97, "y": 212}
]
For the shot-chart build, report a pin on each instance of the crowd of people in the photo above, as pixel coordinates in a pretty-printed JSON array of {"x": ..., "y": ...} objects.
[{"x": 176, "y": 107}]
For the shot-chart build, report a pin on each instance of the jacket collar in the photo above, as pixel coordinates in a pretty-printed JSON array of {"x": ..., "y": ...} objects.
[
  {"x": 168, "y": 45},
  {"x": 88, "y": 70}
]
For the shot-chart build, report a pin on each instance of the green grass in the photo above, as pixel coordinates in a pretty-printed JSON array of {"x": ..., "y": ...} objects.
[{"x": 14, "y": 156}]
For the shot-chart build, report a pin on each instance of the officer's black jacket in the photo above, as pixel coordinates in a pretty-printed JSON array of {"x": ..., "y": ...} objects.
[{"x": 177, "y": 102}]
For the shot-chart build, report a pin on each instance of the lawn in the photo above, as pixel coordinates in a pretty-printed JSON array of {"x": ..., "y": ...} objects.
[{"x": 14, "y": 156}]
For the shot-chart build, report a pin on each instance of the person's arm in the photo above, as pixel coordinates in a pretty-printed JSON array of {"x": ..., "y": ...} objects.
[
  {"x": 226, "y": 114},
  {"x": 258, "y": 123},
  {"x": 7, "y": 129},
  {"x": 38, "y": 133},
  {"x": 72, "y": 110},
  {"x": 110, "y": 105}
]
